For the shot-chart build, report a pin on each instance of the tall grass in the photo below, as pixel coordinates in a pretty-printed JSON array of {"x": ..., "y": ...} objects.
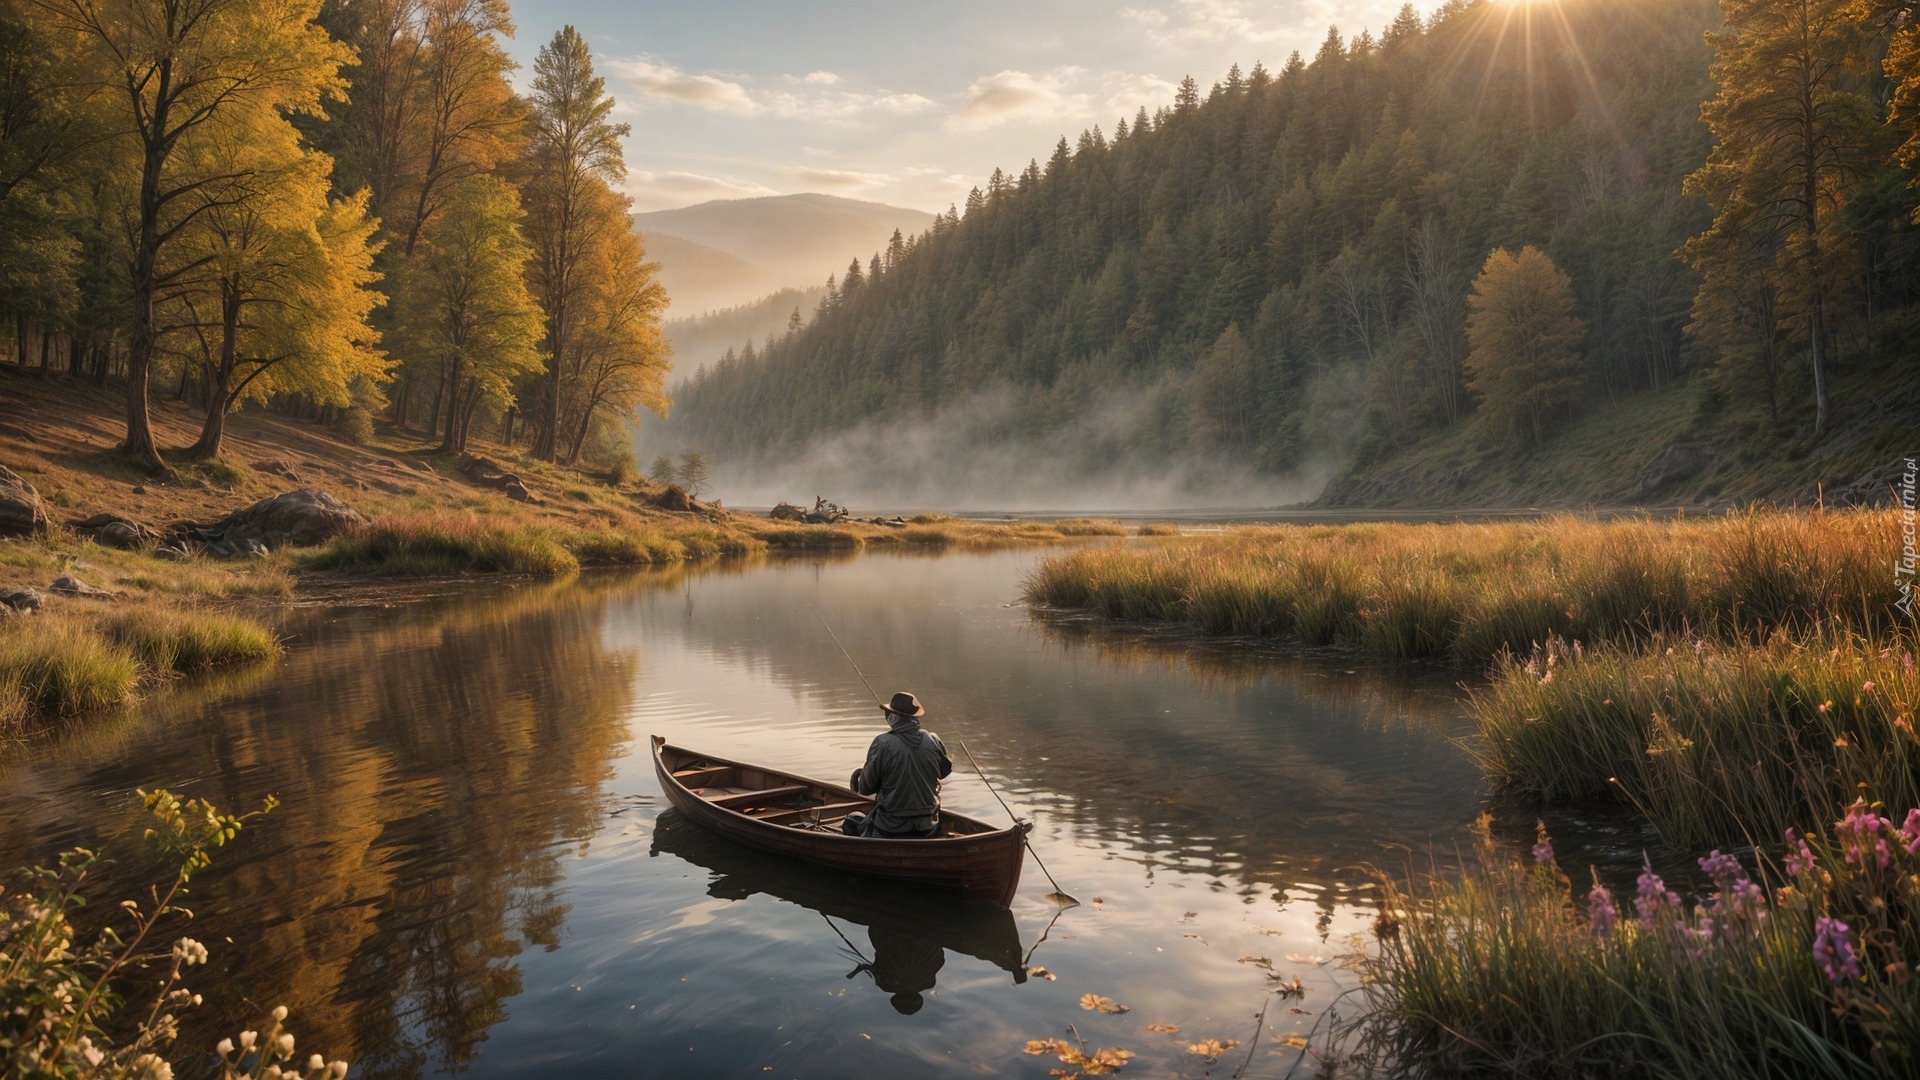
[
  {"x": 52, "y": 667},
  {"x": 55, "y": 665},
  {"x": 432, "y": 544},
  {"x": 1716, "y": 743},
  {"x": 1466, "y": 592},
  {"x": 181, "y": 642},
  {"x": 1513, "y": 970}
]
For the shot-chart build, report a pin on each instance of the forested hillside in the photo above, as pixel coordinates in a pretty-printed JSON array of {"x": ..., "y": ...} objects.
[{"x": 1296, "y": 266}]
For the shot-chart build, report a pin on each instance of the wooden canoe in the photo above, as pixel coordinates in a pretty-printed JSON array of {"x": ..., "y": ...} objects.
[
  {"x": 888, "y": 910},
  {"x": 794, "y": 815}
]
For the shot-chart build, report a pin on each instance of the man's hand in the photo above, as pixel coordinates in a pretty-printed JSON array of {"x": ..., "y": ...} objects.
[{"x": 857, "y": 781}]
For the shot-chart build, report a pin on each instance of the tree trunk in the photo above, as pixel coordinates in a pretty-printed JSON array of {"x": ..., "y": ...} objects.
[
  {"x": 449, "y": 443},
  {"x": 215, "y": 427},
  {"x": 439, "y": 392}
]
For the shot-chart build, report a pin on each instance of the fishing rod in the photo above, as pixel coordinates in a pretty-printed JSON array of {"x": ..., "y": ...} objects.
[{"x": 1058, "y": 895}]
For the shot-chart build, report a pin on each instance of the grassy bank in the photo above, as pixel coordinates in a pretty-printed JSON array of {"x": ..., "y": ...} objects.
[
  {"x": 57, "y": 665},
  {"x": 454, "y": 542},
  {"x": 1466, "y": 592},
  {"x": 1715, "y": 743},
  {"x": 1516, "y": 970}
]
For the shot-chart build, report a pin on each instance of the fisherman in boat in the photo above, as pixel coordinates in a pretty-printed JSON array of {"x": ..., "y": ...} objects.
[{"x": 903, "y": 773}]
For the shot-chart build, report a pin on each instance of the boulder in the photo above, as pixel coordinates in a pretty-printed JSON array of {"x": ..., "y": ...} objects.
[
  {"x": 302, "y": 518},
  {"x": 73, "y": 586},
  {"x": 21, "y": 511},
  {"x": 21, "y": 601},
  {"x": 1679, "y": 461},
  {"x": 112, "y": 530},
  {"x": 675, "y": 498},
  {"x": 487, "y": 474}
]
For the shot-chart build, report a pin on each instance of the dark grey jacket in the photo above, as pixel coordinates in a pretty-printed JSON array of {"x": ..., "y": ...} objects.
[{"x": 903, "y": 772}]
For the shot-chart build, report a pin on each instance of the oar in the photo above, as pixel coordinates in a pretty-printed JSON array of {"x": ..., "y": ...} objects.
[{"x": 1058, "y": 895}]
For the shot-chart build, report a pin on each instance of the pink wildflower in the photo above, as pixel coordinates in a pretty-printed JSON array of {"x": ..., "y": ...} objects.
[
  {"x": 1799, "y": 858},
  {"x": 1911, "y": 830},
  {"x": 1867, "y": 687},
  {"x": 1601, "y": 914},
  {"x": 1654, "y": 898},
  {"x": 1833, "y": 950}
]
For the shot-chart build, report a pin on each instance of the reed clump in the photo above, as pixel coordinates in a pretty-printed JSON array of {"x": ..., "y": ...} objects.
[
  {"x": 1714, "y": 742},
  {"x": 52, "y": 666},
  {"x": 435, "y": 544},
  {"x": 1468, "y": 592},
  {"x": 59, "y": 665},
  {"x": 1514, "y": 970},
  {"x": 171, "y": 642}
]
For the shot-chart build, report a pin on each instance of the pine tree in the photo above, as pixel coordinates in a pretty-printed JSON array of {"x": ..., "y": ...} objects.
[
  {"x": 1793, "y": 137},
  {"x": 574, "y": 148}
]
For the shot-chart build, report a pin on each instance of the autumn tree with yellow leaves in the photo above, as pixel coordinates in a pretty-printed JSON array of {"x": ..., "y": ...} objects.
[
  {"x": 464, "y": 316},
  {"x": 1524, "y": 340},
  {"x": 173, "y": 69},
  {"x": 272, "y": 278}
]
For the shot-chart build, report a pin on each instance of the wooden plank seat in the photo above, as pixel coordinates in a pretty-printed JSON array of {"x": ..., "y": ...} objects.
[
  {"x": 757, "y": 798},
  {"x": 703, "y": 776},
  {"x": 825, "y": 812}
]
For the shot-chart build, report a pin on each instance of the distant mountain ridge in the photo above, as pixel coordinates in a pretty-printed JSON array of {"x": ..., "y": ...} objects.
[
  {"x": 732, "y": 251},
  {"x": 701, "y": 279}
]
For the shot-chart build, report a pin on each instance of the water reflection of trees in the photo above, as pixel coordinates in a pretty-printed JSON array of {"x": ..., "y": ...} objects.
[
  {"x": 1169, "y": 750},
  {"x": 435, "y": 762}
]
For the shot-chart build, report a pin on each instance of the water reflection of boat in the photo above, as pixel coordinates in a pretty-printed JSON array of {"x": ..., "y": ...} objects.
[
  {"x": 910, "y": 930},
  {"x": 799, "y": 817}
]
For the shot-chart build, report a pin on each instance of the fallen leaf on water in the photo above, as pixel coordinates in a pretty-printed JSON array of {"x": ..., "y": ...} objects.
[
  {"x": 866, "y": 1036},
  {"x": 1195, "y": 937},
  {"x": 1211, "y": 1048},
  {"x": 1110, "y": 1058},
  {"x": 1164, "y": 1029},
  {"x": 1292, "y": 1040},
  {"x": 1039, "y": 972},
  {"x": 1289, "y": 987},
  {"x": 1256, "y": 961},
  {"x": 1298, "y": 1011},
  {"x": 1190, "y": 916},
  {"x": 1094, "y": 1002},
  {"x": 1267, "y": 930},
  {"x": 1038, "y": 1047},
  {"x": 1306, "y": 958}
]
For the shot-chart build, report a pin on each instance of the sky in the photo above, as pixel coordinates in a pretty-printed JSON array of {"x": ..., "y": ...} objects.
[{"x": 901, "y": 102}]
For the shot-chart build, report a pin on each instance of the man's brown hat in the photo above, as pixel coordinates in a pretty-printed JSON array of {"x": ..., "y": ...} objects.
[{"x": 904, "y": 704}]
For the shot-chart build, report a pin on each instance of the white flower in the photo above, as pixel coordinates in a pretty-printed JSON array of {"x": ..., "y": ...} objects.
[
  {"x": 316, "y": 1063},
  {"x": 225, "y": 1047},
  {"x": 337, "y": 1069},
  {"x": 285, "y": 1045},
  {"x": 247, "y": 1039},
  {"x": 189, "y": 952},
  {"x": 279, "y": 1012}
]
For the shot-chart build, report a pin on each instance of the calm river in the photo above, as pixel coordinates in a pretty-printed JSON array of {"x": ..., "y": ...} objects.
[{"x": 472, "y": 869}]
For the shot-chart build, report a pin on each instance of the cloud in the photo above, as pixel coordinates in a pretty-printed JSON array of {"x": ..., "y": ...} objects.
[
  {"x": 838, "y": 179},
  {"x": 659, "y": 190},
  {"x": 667, "y": 83},
  {"x": 1018, "y": 97},
  {"x": 1208, "y": 21},
  {"x": 1127, "y": 94},
  {"x": 813, "y": 98},
  {"x": 844, "y": 104}
]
